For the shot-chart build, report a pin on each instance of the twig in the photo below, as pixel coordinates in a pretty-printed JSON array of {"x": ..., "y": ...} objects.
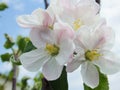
[
  {"x": 46, "y": 4},
  {"x": 14, "y": 77},
  {"x": 98, "y": 1}
]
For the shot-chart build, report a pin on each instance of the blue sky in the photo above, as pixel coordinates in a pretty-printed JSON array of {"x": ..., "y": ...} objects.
[{"x": 109, "y": 10}]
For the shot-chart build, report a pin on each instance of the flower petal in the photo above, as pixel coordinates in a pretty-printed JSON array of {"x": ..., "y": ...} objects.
[
  {"x": 103, "y": 37},
  {"x": 33, "y": 60},
  {"x": 38, "y": 18},
  {"x": 90, "y": 74},
  {"x": 52, "y": 70},
  {"x": 108, "y": 63},
  {"x": 27, "y": 21},
  {"x": 41, "y": 36},
  {"x": 74, "y": 64},
  {"x": 83, "y": 38},
  {"x": 63, "y": 31},
  {"x": 66, "y": 50}
]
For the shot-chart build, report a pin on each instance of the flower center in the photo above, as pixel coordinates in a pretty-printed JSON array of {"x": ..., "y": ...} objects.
[
  {"x": 77, "y": 24},
  {"x": 50, "y": 27},
  {"x": 52, "y": 49},
  {"x": 92, "y": 55}
]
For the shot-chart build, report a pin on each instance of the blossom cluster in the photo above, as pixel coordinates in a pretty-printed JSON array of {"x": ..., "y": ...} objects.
[{"x": 70, "y": 33}]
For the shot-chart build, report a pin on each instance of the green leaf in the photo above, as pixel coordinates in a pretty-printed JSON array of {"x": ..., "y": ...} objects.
[
  {"x": 24, "y": 44},
  {"x": 9, "y": 42},
  {"x": 61, "y": 83},
  {"x": 37, "y": 82},
  {"x": 1, "y": 87},
  {"x": 24, "y": 84},
  {"x": 5, "y": 57},
  {"x": 3, "y": 6},
  {"x": 29, "y": 46},
  {"x": 21, "y": 42},
  {"x": 103, "y": 83},
  {"x": 10, "y": 75}
]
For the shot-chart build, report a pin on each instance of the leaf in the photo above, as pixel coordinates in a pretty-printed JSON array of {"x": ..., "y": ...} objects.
[
  {"x": 5, "y": 57},
  {"x": 61, "y": 83},
  {"x": 37, "y": 82},
  {"x": 103, "y": 83},
  {"x": 9, "y": 42},
  {"x": 24, "y": 44},
  {"x": 24, "y": 84},
  {"x": 21, "y": 42},
  {"x": 3, "y": 6},
  {"x": 10, "y": 75},
  {"x": 1, "y": 87},
  {"x": 29, "y": 46}
]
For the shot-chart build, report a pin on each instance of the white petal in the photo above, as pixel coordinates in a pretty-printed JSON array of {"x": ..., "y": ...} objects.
[
  {"x": 27, "y": 21},
  {"x": 90, "y": 74},
  {"x": 83, "y": 38},
  {"x": 103, "y": 37},
  {"x": 108, "y": 63},
  {"x": 41, "y": 36},
  {"x": 52, "y": 70},
  {"x": 38, "y": 18},
  {"x": 33, "y": 60},
  {"x": 63, "y": 31},
  {"x": 66, "y": 50},
  {"x": 43, "y": 17},
  {"x": 74, "y": 64}
]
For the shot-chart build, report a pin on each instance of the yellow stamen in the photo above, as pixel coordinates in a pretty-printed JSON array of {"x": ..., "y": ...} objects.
[
  {"x": 50, "y": 27},
  {"x": 92, "y": 55},
  {"x": 77, "y": 24},
  {"x": 52, "y": 49}
]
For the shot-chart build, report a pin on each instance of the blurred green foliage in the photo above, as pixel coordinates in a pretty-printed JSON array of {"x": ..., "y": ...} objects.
[{"x": 3, "y": 6}]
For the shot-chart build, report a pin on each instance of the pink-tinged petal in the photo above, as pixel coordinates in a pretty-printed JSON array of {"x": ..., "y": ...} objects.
[
  {"x": 51, "y": 14},
  {"x": 90, "y": 75},
  {"x": 90, "y": 6},
  {"x": 46, "y": 18},
  {"x": 103, "y": 37},
  {"x": 38, "y": 18},
  {"x": 33, "y": 60},
  {"x": 52, "y": 70},
  {"x": 63, "y": 31},
  {"x": 108, "y": 63},
  {"x": 83, "y": 38},
  {"x": 27, "y": 21},
  {"x": 66, "y": 50},
  {"x": 75, "y": 63},
  {"x": 40, "y": 37}
]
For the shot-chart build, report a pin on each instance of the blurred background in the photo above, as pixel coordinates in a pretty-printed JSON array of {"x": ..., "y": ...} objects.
[{"x": 110, "y": 9}]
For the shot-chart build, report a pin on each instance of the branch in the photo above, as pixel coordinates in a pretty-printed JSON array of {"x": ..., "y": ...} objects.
[
  {"x": 98, "y": 1},
  {"x": 46, "y": 4}
]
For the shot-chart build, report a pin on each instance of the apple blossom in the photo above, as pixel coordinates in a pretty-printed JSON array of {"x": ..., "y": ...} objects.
[
  {"x": 39, "y": 18},
  {"x": 93, "y": 49},
  {"x": 77, "y": 13},
  {"x": 54, "y": 49}
]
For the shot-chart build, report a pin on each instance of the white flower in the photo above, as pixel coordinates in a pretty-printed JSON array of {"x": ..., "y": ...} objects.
[
  {"x": 54, "y": 49},
  {"x": 93, "y": 48},
  {"x": 77, "y": 13},
  {"x": 39, "y": 18}
]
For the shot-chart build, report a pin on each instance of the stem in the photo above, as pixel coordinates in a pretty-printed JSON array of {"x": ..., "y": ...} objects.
[
  {"x": 14, "y": 77},
  {"x": 98, "y": 1},
  {"x": 46, "y": 4}
]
